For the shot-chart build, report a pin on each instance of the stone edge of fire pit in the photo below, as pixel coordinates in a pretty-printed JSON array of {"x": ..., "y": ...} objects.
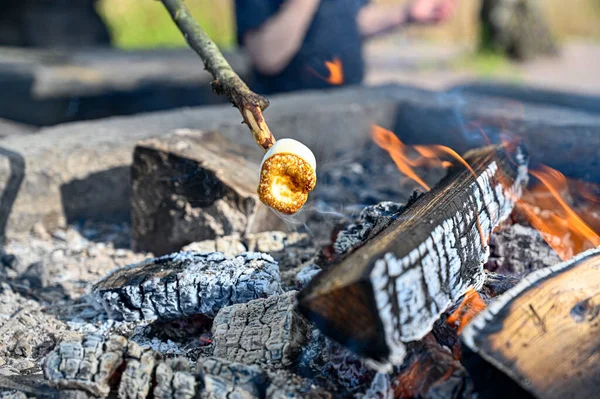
[{"x": 68, "y": 167}]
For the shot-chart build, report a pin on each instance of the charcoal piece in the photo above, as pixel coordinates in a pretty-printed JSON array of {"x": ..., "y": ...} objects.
[
  {"x": 392, "y": 289},
  {"x": 136, "y": 380},
  {"x": 497, "y": 284},
  {"x": 285, "y": 385},
  {"x": 174, "y": 380},
  {"x": 86, "y": 365},
  {"x": 267, "y": 331},
  {"x": 186, "y": 284},
  {"x": 519, "y": 250},
  {"x": 431, "y": 371},
  {"x": 225, "y": 379},
  {"x": 306, "y": 274},
  {"x": 371, "y": 221},
  {"x": 193, "y": 186},
  {"x": 543, "y": 333}
]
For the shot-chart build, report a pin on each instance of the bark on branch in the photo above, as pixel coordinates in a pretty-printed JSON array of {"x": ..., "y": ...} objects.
[{"x": 226, "y": 82}]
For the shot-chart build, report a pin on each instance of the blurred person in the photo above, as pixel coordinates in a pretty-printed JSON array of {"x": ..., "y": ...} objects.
[{"x": 289, "y": 41}]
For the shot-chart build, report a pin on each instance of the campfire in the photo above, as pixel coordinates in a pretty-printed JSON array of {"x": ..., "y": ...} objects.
[{"x": 411, "y": 271}]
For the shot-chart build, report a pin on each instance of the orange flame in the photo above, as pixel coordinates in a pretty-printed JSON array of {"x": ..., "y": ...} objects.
[
  {"x": 470, "y": 306},
  {"x": 562, "y": 228},
  {"x": 398, "y": 151},
  {"x": 336, "y": 72},
  {"x": 430, "y": 154}
]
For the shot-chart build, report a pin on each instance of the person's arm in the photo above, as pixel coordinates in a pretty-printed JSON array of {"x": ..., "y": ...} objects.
[
  {"x": 272, "y": 46},
  {"x": 374, "y": 19}
]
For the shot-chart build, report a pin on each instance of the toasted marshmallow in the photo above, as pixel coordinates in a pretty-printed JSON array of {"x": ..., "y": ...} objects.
[{"x": 287, "y": 175}]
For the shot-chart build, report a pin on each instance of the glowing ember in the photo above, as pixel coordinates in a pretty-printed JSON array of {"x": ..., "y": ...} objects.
[
  {"x": 562, "y": 228},
  {"x": 470, "y": 306}
]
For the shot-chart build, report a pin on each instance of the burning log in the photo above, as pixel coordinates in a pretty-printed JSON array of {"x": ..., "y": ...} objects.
[
  {"x": 544, "y": 331},
  {"x": 394, "y": 287},
  {"x": 192, "y": 186},
  {"x": 185, "y": 284},
  {"x": 267, "y": 331}
]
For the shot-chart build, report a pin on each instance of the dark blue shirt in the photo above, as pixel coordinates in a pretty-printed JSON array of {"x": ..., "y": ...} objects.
[{"x": 332, "y": 35}]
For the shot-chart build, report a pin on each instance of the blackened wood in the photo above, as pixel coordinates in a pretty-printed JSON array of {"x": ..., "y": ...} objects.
[
  {"x": 393, "y": 288},
  {"x": 544, "y": 332},
  {"x": 185, "y": 284},
  {"x": 193, "y": 186}
]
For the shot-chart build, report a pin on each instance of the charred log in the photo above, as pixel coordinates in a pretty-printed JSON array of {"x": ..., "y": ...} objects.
[
  {"x": 192, "y": 186},
  {"x": 543, "y": 333},
  {"x": 393, "y": 288},
  {"x": 185, "y": 284}
]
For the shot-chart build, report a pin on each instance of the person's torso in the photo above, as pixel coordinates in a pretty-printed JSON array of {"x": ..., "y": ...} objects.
[{"x": 332, "y": 37}]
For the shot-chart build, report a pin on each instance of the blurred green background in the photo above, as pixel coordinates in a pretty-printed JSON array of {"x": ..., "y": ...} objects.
[{"x": 145, "y": 23}]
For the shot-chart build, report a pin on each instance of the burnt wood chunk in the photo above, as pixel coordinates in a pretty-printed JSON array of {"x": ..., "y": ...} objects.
[
  {"x": 544, "y": 332},
  {"x": 193, "y": 186},
  {"x": 224, "y": 379},
  {"x": 185, "y": 284},
  {"x": 267, "y": 331},
  {"x": 86, "y": 365},
  {"x": 394, "y": 287}
]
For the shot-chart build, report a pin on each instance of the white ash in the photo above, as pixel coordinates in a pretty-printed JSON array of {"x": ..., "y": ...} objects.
[
  {"x": 306, "y": 274},
  {"x": 27, "y": 333},
  {"x": 519, "y": 250},
  {"x": 185, "y": 284},
  {"x": 225, "y": 379},
  {"x": 267, "y": 331},
  {"x": 65, "y": 261},
  {"x": 290, "y": 250},
  {"x": 372, "y": 220}
]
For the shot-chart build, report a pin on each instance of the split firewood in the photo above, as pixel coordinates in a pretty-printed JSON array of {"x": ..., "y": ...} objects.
[
  {"x": 543, "y": 332},
  {"x": 392, "y": 289},
  {"x": 185, "y": 284},
  {"x": 288, "y": 171},
  {"x": 193, "y": 186}
]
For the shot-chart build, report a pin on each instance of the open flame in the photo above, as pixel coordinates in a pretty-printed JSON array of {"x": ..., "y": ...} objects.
[
  {"x": 336, "y": 72},
  {"x": 543, "y": 205},
  {"x": 548, "y": 212}
]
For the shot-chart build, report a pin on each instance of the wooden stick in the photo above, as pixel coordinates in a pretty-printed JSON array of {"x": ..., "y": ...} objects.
[
  {"x": 226, "y": 82},
  {"x": 393, "y": 288},
  {"x": 544, "y": 332}
]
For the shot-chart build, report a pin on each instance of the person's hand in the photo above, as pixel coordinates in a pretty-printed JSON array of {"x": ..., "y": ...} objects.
[{"x": 424, "y": 12}]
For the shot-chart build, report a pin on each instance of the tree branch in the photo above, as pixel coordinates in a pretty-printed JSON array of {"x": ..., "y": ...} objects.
[{"x": 226, "y": 82}]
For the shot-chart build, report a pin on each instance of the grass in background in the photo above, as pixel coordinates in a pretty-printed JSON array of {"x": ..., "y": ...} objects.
[{"x": 146, "y": 23}]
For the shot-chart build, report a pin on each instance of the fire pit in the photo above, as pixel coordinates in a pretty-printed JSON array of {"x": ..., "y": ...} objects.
[{"x": 418, "y": 267}]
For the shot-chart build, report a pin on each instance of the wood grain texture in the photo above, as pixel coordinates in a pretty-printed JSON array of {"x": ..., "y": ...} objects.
[
  {"x": 391, "y": 289},
  {"x": 545, "y": 331}
]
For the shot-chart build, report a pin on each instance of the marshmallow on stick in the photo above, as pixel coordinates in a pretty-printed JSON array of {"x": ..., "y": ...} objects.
[
  {"x": 288, "y": 170},
  {"x": 287, "y": 175}
]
